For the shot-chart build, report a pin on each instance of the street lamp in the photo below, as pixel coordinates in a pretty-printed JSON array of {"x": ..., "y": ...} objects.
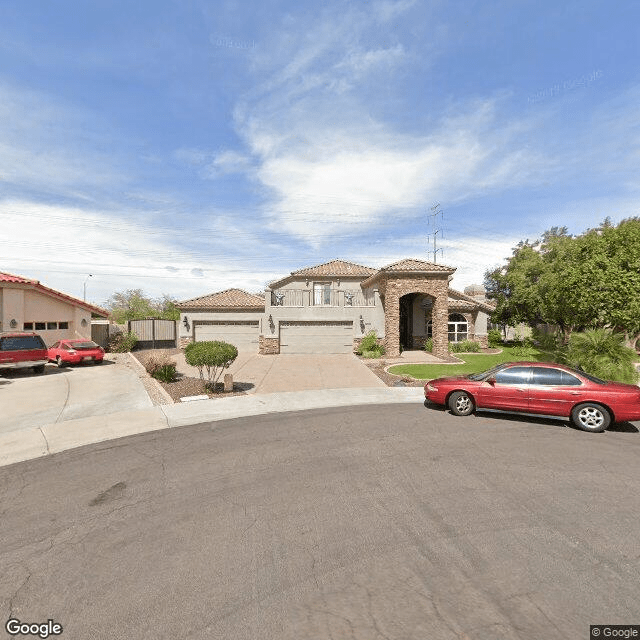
[{"x": 84, "y": 297}]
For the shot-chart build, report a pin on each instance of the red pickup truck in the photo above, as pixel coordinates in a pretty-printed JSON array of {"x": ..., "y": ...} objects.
[{"x": 22, "y": 350}]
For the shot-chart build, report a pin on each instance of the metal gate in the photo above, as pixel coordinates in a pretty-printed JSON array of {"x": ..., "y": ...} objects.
[{"x": 153, "y": 333}]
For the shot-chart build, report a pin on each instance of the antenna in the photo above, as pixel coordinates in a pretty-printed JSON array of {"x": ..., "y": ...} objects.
[{"x": 433, "y": 224}]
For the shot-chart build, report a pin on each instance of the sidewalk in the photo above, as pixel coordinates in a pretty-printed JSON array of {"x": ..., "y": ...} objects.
[{"x": 17, "y": 446}]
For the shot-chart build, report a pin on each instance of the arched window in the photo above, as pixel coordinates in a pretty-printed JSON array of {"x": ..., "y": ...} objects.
[{"x": 458, "y": 327}]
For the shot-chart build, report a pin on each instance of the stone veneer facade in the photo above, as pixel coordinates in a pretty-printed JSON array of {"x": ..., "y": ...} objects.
[
  {"x": 268, "y": 346},
  {"x": 394, "y": 286}
]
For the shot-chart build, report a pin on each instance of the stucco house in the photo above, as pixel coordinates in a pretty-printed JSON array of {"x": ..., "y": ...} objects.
[
  {"x": 329, "y": 307},
  {"x": 27, "y": 305}
]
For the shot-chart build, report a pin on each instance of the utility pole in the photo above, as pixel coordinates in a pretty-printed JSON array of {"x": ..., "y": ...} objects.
[{"x": 434, "y": 219}]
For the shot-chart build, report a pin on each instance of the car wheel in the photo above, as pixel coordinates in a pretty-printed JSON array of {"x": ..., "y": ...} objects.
[
  {"x": 460, "y": 403},
  {"x": 60, "y": 362},
  {"x": 591, "y": 417},
  {"x": 39, "y": 369}
]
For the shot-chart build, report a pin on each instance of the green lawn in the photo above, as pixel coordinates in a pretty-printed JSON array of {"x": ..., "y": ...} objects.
[{"x": 473, "y": 363}]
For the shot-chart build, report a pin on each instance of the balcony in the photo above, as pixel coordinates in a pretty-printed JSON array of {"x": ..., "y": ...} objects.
[{"x": 324, "y": 298}]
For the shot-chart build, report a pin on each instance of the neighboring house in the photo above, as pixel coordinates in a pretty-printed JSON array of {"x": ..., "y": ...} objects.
[
  {"x": 328, "y": 308},
  {"x": 27, "y": 305}
]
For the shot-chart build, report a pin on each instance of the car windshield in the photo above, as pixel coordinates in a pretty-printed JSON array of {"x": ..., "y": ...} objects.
[
  {"x": 18, "y": 343},
  {"x": 486, "y": 374},
  {"x": 88, "y": 344}
]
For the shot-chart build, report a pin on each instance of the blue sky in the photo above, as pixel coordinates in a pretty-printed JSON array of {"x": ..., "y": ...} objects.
[{"x": 188, "y": 147}]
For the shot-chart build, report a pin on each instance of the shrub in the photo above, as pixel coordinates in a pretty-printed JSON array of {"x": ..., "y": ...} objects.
[
  {"x": 428, "y": 345},
  {"x": 161, "y": 368},
  {"x": 213, "y": 357},
  {"x": 604, "y": 354},
  {"x": 370, "y": 347},
  {"x": 494, "y": 337},
  {"x": 122, "y": 342},
  {"x": 464, "y": 346}
]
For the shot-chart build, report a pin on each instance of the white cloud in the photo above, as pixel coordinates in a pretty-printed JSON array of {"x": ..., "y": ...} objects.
[
  {"x": 67, "y": 243},
  {"x": 39, "y": 146}
]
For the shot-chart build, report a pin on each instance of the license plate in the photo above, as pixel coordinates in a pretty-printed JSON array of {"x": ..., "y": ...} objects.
[{"x": 87, "y": 358}]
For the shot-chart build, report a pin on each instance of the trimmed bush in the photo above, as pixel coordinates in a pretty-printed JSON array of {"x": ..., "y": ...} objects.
[
  {"x": 494, "y": 338},
  {"x": 161, "y": 368},
  {"x": 210, "y": 356},
  {"x": 122, "y": 342},
  {"x": 428, "y": 345},
  {"x": 464, "y": 346},
  {"x": 370, "y": 347}
]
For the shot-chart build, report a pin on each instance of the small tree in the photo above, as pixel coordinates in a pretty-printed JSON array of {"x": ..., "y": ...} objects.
[{"x": 213, "y": 357}]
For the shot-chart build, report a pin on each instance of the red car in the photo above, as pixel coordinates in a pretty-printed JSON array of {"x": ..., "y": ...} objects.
[
  {"x": 21, "y": 350},
  {"x": 65, "y": 352},
  {"x": 539, "y": 388}
]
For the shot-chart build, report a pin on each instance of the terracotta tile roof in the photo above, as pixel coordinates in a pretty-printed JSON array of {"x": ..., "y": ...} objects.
[
  {"x": 35, "y": 284},
  {"x": 227, "y": 299},
  {"x": 410, "y": 264},
  {"x": 337, "y": 268},
  {"x": 9, "y": 277},
  {"x": 462, "y": 299}
]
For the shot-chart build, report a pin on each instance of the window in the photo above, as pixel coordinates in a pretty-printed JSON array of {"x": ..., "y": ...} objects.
[
  {"x": 52, "y": 326},
  {"x": 63, "y": 325},
  {"x": 321, "y": 293},
  {"x": 546, "y": 377},
  {"x": 28, "y": 326},
  {"x": 20, "y": 343},
  {"x": 41, "y": 326},
  {"x": 457, "y": 327},
  {"x": 513, "y": 375},
  {"x": 556, "y": 377}
]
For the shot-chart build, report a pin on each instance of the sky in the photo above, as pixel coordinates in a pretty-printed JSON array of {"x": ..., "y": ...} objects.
[{"x": 187, "y": 147}]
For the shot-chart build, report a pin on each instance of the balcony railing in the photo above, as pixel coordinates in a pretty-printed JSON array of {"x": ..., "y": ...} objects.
[{"x": 337, "y": 298}]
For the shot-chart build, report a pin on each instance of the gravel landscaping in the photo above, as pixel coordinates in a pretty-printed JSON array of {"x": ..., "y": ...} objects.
[{"x": 185, "y": 386}]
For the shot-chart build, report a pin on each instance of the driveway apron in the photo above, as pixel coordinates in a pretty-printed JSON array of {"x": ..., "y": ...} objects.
[{"x": 65, "y": 394}]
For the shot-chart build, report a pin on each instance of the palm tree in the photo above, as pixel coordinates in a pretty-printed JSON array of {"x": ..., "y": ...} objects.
[{"x": 603, "y": 353}]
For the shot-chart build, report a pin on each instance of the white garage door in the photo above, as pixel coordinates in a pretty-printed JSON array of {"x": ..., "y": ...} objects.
[
  {"x": 316, "y": 337},
  {"x": 243, "y": 335}
]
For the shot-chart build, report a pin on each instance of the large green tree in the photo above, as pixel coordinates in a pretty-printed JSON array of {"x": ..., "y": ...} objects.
[
  {"x": 588, "y": 281},
  {"x": 133, "y": 304}
]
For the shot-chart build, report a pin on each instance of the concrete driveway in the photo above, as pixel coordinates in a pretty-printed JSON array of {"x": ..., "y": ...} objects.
[
  {"x": 280, "y": 373},
  {"x": 30, "y": 400}
]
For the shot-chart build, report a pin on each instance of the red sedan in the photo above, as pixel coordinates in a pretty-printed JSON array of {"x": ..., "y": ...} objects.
[
  {"x": 65, "y": 352},
  {"x": 539, "y": 388}
]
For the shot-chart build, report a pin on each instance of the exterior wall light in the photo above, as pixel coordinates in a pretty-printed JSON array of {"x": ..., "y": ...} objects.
[
  {"x": 13, "y": 324},
  {"x": 272, "y": 325},
  {"x": 185, "y": 322}
]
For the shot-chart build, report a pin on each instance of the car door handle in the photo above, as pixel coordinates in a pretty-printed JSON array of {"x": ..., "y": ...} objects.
[
  {"x": 521, "y": 390},
  {"x": 575, "y": 393}
]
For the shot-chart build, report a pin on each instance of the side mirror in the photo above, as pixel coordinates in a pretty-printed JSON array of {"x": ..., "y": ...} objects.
[{"x": 491, "y": 380}]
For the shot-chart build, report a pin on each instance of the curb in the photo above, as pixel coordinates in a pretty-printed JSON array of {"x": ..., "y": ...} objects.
[{"x": 18, "y": 446}]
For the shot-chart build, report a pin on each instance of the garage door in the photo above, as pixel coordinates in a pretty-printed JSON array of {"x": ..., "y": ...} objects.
[
  {"x": 243, "y": 335},
  {"x": 316, "y": 337}
]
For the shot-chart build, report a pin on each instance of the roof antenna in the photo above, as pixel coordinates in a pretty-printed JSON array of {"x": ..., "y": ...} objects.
[{"x": 434, "y": 218}]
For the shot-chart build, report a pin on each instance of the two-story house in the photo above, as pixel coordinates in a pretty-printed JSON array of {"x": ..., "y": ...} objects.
[{"x": 328, "y": 308}]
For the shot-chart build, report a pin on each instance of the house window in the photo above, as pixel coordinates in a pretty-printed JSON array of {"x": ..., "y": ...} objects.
[
  {"x": 63, "y": 325},
  {"x": 52, "y": 326},
  {"x": 321, "y": 293},
  {"x": 457, "y": 327},
  {"x": 41, "y": 326},
  {"x": 28, "y": 326}
]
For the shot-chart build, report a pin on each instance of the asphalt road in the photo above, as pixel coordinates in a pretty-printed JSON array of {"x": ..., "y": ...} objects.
[{"x": 369, "y": 522}]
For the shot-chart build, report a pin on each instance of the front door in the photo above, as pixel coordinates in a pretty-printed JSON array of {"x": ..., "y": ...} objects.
[{"x": 405, "y": 333}]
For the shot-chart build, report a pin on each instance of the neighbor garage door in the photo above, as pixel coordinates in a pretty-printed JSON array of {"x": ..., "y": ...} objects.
[
  {"x": 316, "y": 337},
  {"x": 243, "y": 335}
]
